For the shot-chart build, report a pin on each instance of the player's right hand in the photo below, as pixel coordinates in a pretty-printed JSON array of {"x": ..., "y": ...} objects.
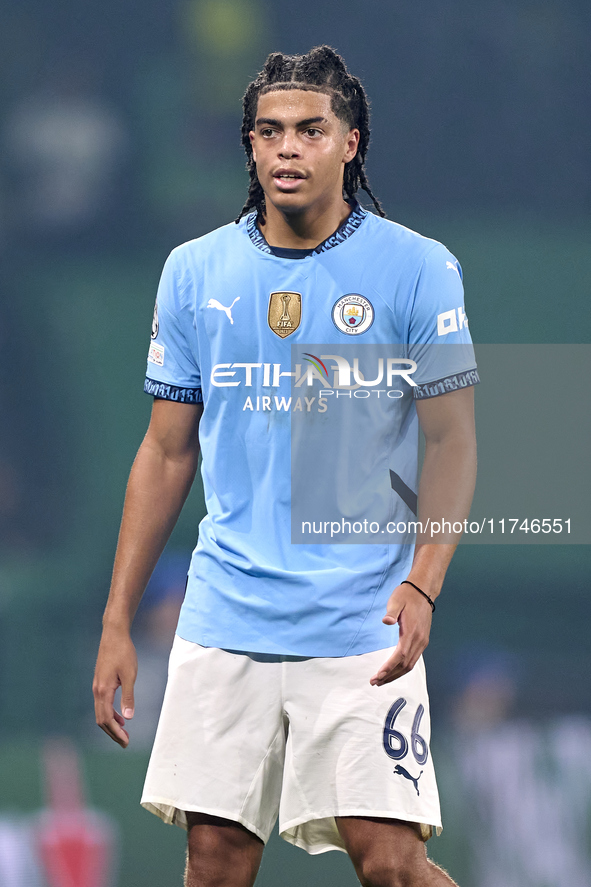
[{"x": 116, "y": 666}]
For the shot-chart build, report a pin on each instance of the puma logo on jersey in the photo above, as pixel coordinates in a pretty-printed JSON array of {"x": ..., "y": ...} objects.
[
  {"x": 402, "y": 772},
  {"x": 213, "y": 303},
  {"x": 453, "y": 266}
]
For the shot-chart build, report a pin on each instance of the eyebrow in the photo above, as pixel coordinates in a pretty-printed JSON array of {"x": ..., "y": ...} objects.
[{"x": 270, "y": 121}]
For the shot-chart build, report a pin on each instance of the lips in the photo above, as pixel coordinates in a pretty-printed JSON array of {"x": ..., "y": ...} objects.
[
  {"x": 290, "y": 174},
  {"x": 287, "y": 179}
]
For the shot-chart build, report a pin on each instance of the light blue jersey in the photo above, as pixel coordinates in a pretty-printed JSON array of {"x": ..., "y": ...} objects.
[{"x": 243, "y": 327}]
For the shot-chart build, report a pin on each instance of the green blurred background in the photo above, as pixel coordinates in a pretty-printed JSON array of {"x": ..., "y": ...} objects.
[{"x": 119, "y": 126}]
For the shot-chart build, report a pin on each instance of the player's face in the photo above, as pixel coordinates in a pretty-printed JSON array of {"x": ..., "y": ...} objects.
[{"x": 300, "y": 148}]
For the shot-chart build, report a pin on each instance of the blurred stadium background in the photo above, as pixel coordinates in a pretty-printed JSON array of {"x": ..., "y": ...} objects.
[{"x": 119, "y": 131}]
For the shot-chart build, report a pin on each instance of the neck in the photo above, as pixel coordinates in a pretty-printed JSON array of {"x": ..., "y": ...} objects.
[{"x": 303, "y": 230}]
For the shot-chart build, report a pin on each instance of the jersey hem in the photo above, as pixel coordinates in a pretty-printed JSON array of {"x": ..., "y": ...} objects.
[{"x": 240, "y": 648}]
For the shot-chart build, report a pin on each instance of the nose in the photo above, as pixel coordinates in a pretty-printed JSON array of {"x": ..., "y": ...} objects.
[{"x": 289, "y": 147}]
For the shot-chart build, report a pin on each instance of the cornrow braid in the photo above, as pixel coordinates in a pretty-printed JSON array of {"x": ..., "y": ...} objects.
[{"x": 320, "y": 70}]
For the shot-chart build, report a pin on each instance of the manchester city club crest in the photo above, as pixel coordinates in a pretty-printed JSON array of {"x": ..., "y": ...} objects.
[
  {"x": 353, "y": 314},
  {"x": 285, "y": 313}
]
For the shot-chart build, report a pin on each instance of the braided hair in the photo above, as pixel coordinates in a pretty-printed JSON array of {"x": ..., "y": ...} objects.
[{"x": 320, "y": 70}]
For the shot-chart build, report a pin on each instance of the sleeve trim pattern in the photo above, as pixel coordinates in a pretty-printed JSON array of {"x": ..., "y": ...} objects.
[
  {"x": 449, "y": 383},
  {"x": 164, "y": 391}
]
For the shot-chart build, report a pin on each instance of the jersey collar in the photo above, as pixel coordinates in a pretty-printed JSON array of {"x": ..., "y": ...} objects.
[{"x": 343, "y": 232}]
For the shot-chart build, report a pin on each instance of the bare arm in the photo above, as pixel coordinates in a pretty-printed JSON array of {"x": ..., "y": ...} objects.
[
  {"x": 159, "y": 483},
  {"x": 445, "y": 492}
]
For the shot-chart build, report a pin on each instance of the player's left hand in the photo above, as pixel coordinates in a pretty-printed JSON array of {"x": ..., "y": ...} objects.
[{"x": 413, "y": 614}]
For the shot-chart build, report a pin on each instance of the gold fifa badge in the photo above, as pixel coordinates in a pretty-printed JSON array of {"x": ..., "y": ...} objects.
[{"x": 285, "y": 313}]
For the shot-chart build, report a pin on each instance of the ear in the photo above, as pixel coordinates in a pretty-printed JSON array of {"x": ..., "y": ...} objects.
[
  {"x": 251, "y": 137},
  {"x": 351, "y": 145}
]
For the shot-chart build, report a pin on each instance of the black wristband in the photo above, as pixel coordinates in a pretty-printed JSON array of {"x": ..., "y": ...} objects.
[{"x": 420, "y": 591}]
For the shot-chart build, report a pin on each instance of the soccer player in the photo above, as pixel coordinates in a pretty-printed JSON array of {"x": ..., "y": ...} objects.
[{"x": 296, "y": 682}]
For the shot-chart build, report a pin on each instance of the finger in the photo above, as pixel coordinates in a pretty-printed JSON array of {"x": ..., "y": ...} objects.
[
  {"x": 113, "y": 725},
  {"x": 127, "y": 701},
  {"x": 393, "y": 612},
  {"x": 104, "y": 697},
  {"x": 403, "y": 660},
  {"x": 107, "y": 718},
  {"x": 389, "y": 667},
  {"x": 390, "y": 672},
  {"x": 115, "y": 731}
]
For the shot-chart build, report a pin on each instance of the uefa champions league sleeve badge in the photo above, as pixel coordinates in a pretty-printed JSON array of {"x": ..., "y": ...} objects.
[{"x": 353, "y": 314}]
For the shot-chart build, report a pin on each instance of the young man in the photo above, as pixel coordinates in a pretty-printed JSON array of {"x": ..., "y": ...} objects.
[{"x": 296, "y": 683}]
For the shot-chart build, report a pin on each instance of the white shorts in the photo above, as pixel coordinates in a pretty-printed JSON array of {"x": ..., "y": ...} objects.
[{"x": 246, "y": 737}]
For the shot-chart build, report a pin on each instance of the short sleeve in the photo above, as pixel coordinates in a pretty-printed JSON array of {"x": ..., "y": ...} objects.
[
  {"x": 438, "y": 335},
  {"x": 173, "y": 359}
]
